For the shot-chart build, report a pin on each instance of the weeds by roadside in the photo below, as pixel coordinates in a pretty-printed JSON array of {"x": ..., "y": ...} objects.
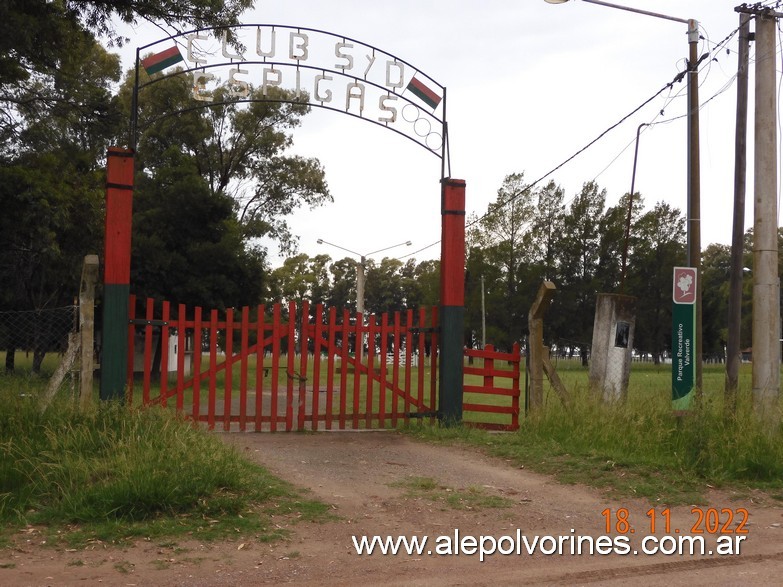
[
  {"x": 638, "y": 448},
  {"x": 114, "y": 473}
]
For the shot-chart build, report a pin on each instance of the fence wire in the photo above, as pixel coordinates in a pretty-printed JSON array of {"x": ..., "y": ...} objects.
[{"x": 32, "y": 334}]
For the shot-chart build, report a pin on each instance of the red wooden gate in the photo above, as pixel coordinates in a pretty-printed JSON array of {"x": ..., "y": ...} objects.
[
  {"x": 492, "y": 402},
  {"x": 284, "y": 367},
  {"x": 289, "y": 367}
]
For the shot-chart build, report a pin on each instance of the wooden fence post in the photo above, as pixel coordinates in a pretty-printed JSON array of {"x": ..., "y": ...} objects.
[
  {"x": 535, "y": 320},
  {"x": 87, "y": 327}
]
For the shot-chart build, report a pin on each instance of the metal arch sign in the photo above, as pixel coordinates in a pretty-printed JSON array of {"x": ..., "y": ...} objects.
[{"x": 319, "y": 68}]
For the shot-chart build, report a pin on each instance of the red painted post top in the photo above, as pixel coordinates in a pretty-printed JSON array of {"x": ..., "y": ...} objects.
[
  {"x": 452, "y": 256},
  {"x": 119, "y": 213}
]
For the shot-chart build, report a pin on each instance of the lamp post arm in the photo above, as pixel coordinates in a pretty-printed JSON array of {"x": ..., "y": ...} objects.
[
  {"x": 638, "y": 11},
  {"x": 407, "y": 243},
  {"x": 322, "y": 241}
]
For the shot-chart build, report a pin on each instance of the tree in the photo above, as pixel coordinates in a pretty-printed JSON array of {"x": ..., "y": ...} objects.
[
  {"x": 51, "y": 182},
  {"x": 715, "y": 274},
  {"x": 343, "y": 276},
  {"x": 547, "y": 228},
  {"x": 657, "y": 247},
  {"x": 36, "y": 37},
  {"x": 613, "y": 245},
  {"x": 384, "y": 290},
  {"x": 233, "y": 156},
  {"x": 579, "y": 264},
  {"x": 188, "y": 245},
  {"x": 506, "y": 237}
]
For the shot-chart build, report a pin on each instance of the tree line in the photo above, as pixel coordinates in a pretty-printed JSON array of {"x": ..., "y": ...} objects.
[{"x": 529, "y": 235}]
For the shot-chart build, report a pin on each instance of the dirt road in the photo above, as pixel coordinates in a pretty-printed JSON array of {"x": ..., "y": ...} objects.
[{"x": 382, "y": 483}]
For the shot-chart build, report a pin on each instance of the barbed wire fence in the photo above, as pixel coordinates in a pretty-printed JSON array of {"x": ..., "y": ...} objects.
[{"x": 27, "y": 337}]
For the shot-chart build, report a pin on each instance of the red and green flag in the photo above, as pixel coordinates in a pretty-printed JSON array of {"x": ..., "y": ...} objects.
[
  {"x": 425, "y": 94},
  {"x": 160, "y": 61}
]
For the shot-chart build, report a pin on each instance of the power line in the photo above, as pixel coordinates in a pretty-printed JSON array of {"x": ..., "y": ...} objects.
[{"x": 678, "y": 78}]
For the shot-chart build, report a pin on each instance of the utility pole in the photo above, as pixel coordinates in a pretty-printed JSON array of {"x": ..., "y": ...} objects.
[
  {"x": 738, "y": 231},
  {"x": 766, "y": 284},
  {"x": 483, "y": 317},
  {"x": 694, "y": 186}
]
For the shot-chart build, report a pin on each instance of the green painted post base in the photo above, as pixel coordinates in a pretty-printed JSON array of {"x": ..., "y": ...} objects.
[
  {"x": 450, "y": 385},
  {"x": 114, "y": 345}
]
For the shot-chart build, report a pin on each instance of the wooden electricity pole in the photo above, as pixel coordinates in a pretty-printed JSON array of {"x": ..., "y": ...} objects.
[{"x": 738, "y": 234}]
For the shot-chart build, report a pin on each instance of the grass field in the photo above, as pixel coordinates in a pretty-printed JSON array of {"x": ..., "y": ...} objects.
[
  {"x": 113, "y": 474},
  {"x": 640, "y": 447},
  {"x": 636, "y": 448}
]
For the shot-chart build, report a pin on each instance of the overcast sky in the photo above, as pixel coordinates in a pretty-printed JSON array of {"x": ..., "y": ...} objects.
[{"x": 528, "y": 84}]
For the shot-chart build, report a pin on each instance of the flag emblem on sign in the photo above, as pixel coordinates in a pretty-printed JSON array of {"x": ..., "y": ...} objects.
[
  {"x": 162, "y": 60},
  {"x": 425, "y": 94}
]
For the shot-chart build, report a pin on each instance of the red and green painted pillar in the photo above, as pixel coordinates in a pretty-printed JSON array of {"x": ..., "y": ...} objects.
[
  {"x": 452, "y": 300},
  {"x": 116, "y": 274}
]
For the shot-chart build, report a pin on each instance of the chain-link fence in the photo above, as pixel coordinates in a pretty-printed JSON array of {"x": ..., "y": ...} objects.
[{"x": 28, "y": 337}]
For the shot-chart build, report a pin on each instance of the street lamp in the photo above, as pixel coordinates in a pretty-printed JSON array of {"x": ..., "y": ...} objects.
[
  {"x": 360, "y": 277},
  {"x": 694, "y": 197}
]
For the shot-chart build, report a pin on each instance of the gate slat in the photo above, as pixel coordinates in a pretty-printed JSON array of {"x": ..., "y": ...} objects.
[
  {"x": 515, "y": 386},
  {"x": 395, "y": 370},
  {"x": 260, "y": 352},
  {"x": 304, "y": 336},
  {"x": 422, "y": 355},
  {"x": 330, "y": 367},
  {"x": 197, "y": 344},
  {"x": 181, "y": 351},
  {"x": 409, "y": 340},
  {"x": 289, "y": 392},
  {"x": 276, "y": 334},
  {"x": 318, "y": 338},
  {"x": 346, "y": 339},
  {"x": 229, "y": 378},
  {"x": 243, "y": 368},
  {"x": 383, "y": 384},
  {"x": 370, "y": 369},
  {"x": 358, "y": 351},
  {"x": 164, "y": 354},
  {"x": 213, "y": 335},
  {"x": 149, "y": 315}
]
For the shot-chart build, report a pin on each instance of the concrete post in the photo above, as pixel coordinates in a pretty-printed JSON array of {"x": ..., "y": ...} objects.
[
  {"x": 766, "y": 284},
  {"x": 610, "y": 356}
]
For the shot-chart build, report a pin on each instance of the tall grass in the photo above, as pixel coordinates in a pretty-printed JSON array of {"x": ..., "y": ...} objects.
[
  {"x": 120, "y": 466},
  {"x": 640, "y": 447}
]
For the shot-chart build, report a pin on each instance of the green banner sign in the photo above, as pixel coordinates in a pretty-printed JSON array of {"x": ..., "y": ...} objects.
[{"x": 683, "y": 337}]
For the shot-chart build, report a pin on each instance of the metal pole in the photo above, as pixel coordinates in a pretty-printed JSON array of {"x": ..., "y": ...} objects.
[
  {"x": 738, "y": 230},
  {"x": 637, "y": 10},
  {"x": 630, "y": 210},
  {"x": 694, "y": 194},
  {"x": 483, "y": 317}
]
